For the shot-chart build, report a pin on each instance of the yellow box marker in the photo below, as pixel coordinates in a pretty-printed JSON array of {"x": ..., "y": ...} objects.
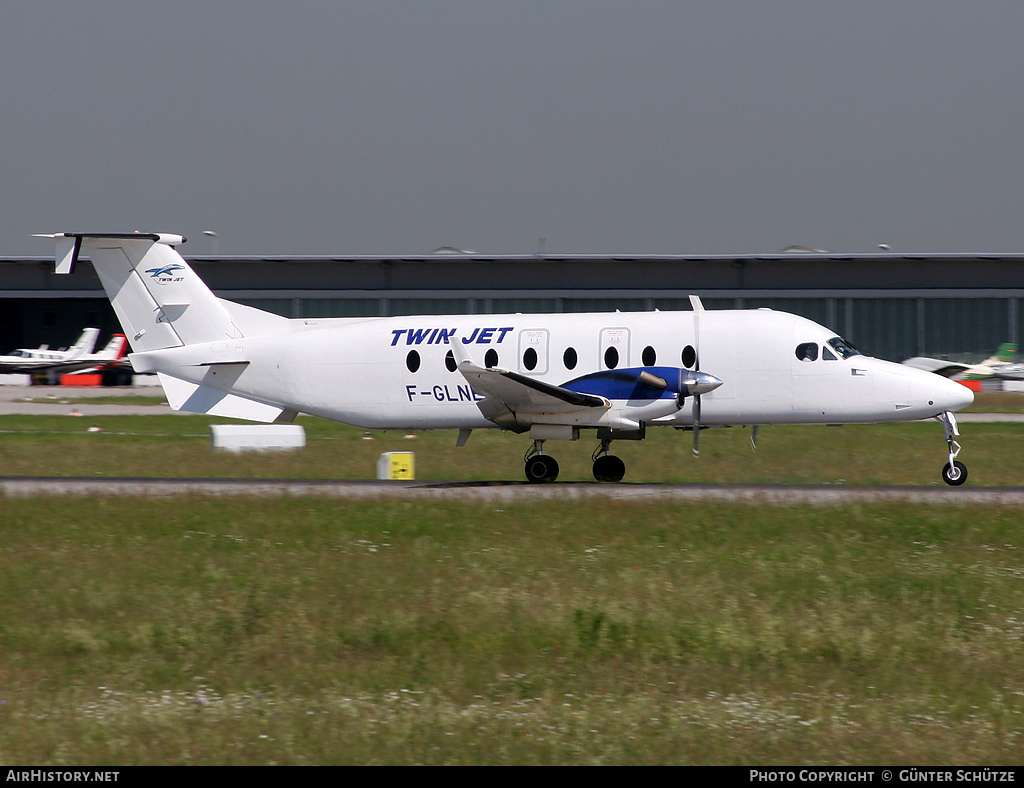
[{"x": 397, "y": 465}]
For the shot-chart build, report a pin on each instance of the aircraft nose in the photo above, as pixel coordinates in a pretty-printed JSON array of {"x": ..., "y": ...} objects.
[
  {"x": 699, "y": 382},
  {"x": 949, "y": 395}
]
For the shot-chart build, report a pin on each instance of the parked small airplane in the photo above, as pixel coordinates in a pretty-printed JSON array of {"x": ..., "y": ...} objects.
[
  {"x": 43, "y": 359},
  {"x": 999, "y": 365},
  {"x": 550, "y": 375},
  {"x": 113, "y": 354}
]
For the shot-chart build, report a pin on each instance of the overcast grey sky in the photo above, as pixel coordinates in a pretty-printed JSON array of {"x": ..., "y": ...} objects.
[{"x": 392, "y": 127}]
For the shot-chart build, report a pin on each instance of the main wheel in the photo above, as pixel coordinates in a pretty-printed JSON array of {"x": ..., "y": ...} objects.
[
  {"x": 954, "y": 475},
  {"x": 609, "y": 468},
  {"x": 541, "y": 468}
]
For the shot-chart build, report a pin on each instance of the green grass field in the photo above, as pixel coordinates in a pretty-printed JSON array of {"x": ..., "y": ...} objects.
[
  {"x": 179, "y": 446},
  {"x": 250, "y": 631},
  {"x": 285, "y": 630},
  {"x": 997, "y": 402}
]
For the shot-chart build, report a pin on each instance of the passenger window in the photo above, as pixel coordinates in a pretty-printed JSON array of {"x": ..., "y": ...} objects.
[
  {"x": 611, "y": 358},
  {"x": 449, "y": 361},
  {"x": 649, "y": 357},
  {"x": 412, "y": 361},
  {"x": 530, "y": 358},
  {"x": 569, "y": 358},
  {"x": 808, "y": 351},
  {"x": 491, "y": 358},
  {"x": 689, "y": 357}
]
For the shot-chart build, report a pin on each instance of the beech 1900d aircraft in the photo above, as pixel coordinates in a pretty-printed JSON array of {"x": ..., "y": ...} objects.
[{"x": 552, "y": 376}]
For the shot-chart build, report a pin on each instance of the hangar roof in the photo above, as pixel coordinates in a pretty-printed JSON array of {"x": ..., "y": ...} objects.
[{"x": 792, "y": 271}]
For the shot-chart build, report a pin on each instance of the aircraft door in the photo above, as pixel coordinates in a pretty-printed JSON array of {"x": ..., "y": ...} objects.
[
  {"x": 614, "y": 348},
  {"x": 533, "y": 351}
]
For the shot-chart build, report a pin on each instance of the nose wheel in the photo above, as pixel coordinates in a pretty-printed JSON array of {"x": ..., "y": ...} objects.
[{"x": 954, "y": 473}]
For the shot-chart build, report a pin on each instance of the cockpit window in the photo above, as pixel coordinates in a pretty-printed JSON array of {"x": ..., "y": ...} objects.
[
  {"x": 828, "y": 355},
  {"x": 843, "y": 348},
  {"x": 807, "y": 351}
]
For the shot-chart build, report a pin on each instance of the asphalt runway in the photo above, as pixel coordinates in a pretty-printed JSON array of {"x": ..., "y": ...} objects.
[
  {"x": 64, "y": 401},
  {"x": 511, "y": 492}
]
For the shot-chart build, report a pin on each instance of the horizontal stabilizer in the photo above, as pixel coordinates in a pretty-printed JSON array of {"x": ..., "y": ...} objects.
[{"x": 194, "y": 398}]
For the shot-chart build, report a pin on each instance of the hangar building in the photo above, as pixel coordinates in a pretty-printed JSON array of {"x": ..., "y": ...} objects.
[{"x": 891, "y": 305}]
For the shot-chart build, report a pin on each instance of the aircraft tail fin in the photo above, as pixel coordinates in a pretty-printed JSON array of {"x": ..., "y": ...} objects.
[
  {"x": 159, "y": 300},
  {"x": 115, "y": 348},
  {"x": 85, "y": 344},
  {"x": 1006, "y": 352}
]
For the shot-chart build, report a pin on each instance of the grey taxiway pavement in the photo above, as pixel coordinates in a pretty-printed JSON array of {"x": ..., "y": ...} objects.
[
  {"x": 66, "y": 401},
  {"x": 508, "y": 492}
]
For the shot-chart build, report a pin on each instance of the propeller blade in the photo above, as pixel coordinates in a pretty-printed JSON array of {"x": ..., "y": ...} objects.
[
  {"x": 696, "y": 425},
  {"x": 753, "y": 437},
  {"x": 698, "y": 307}
]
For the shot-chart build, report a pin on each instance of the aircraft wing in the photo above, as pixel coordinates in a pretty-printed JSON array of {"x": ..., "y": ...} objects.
[
  {"x": 952, "y": 369},
  {"x": 510, "y": 398},
  {"x": 946, "y": 369}
]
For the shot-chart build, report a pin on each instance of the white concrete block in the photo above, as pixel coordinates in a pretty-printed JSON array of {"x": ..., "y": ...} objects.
[{"x": 249, "y": 437}]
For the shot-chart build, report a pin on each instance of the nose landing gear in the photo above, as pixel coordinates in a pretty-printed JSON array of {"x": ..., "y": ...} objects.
[{"x": 954, "y": 473}]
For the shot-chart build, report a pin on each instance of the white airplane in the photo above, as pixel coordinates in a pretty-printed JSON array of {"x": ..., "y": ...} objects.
[
  {"x": 110, "y": 355},
  {"x": 43, "y": 359},
  {"x": 550, "y": 375},
  {"x": 999, "y": 365}
]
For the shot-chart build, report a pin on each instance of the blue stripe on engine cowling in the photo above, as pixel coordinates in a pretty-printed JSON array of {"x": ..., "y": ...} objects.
[{"x": 626, "y": 383}]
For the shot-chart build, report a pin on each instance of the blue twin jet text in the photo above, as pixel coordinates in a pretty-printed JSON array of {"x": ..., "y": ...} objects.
[{"x": 444, "y": 336}]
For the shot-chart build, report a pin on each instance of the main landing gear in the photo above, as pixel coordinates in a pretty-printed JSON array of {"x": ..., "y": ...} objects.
[
  {"x": 954, "y": 473},
  {"x": 542, "y": 467},
  {"x": 607, "y": 467}
]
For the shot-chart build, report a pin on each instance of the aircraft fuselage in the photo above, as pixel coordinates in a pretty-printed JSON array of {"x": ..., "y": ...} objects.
[{"x": 400, "y": 373}]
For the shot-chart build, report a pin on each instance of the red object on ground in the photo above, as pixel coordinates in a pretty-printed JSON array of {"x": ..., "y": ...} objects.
[{"x": 87, "y": 379}]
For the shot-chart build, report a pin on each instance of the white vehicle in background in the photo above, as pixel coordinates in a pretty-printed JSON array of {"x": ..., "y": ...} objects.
[{"x": 1000, "y": 365}]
